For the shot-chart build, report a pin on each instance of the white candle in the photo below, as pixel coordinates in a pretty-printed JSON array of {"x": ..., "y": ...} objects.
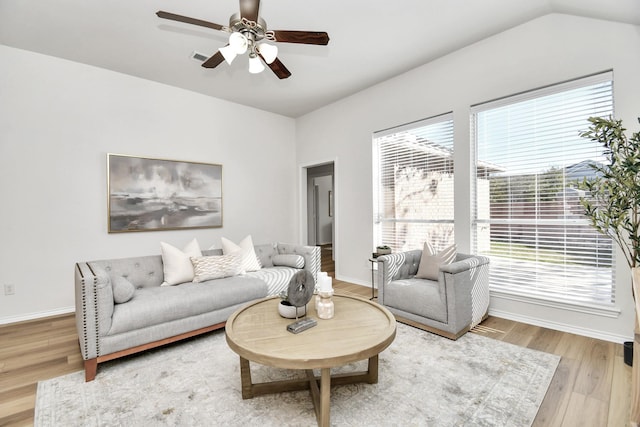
[{"x": 325, "y": 283}]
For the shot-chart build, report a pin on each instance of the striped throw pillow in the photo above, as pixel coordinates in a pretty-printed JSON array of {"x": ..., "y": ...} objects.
[{"x": 216, "y": 267}]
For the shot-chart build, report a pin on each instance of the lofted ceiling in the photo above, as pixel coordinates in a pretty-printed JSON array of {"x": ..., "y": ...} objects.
[{"x": 371, "y": 40}]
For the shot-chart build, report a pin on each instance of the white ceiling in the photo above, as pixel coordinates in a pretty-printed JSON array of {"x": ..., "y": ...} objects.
[{"x": 371, "y": 40}]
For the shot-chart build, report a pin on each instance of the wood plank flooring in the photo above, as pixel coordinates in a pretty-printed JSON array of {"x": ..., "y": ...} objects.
[{"x": 590, "y": 388}]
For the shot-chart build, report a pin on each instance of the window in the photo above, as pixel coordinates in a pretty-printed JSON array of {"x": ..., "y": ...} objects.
[
  {"x": 413, "y": 184},
  {"x": 528, "y": 218}
]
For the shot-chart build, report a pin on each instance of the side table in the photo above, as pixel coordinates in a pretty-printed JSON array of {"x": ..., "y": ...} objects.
[{"x": 372, "y": 260}]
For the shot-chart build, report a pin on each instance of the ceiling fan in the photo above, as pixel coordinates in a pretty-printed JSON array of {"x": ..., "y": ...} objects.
[{"x": 248, "y": 32}]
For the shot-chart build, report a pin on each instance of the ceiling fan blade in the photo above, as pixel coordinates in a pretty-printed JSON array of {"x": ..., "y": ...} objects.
[
  {"x": 186, "y": 19},
  {"x": 305, "y": 37},
  {"x": 249, "y": 9},
  {"x": 214, "y": 60},
  {"x": 278, "y": 68}
]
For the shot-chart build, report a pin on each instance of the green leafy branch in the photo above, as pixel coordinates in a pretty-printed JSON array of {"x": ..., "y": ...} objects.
[{"x": 613, "y": 205}]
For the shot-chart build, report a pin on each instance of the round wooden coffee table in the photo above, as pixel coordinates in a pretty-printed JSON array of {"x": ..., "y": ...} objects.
[{"x": 360, "y": 330}]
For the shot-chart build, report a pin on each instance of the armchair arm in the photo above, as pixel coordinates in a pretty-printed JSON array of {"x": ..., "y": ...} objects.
[
  {"x": 397, "y": 266},
  {"x": 311, "y": 255},
  {"x": 464, "y": 262},
  {"x": 466, "y": 282},
  {"x": 94, "y": 307}
]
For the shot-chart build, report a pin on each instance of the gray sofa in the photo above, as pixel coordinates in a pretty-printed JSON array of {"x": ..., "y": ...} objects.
[
  {"x": 157, "y": 315},
  {"x": 450, "y": 306}
]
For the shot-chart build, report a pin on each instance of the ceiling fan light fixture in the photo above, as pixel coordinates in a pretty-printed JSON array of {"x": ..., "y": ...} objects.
[
  {"x": 238, "y": 42},
  {"x": 255, "y": 65},
  {"x": 268, "y": 51},
  {"x": 229, "y": 53}
]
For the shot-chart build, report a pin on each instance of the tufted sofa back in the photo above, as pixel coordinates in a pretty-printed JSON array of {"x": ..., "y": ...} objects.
[
  {"x": 264, "y": 252},
  {"x": 142, "y": 272}
]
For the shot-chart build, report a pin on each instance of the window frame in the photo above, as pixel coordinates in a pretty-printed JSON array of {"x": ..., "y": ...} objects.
[
  {"x": 608, "y": 309},
  {"x": 445, "y": 119}
]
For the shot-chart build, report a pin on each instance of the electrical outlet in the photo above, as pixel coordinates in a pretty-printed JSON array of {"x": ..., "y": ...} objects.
[{"x": 9, "y": 289}]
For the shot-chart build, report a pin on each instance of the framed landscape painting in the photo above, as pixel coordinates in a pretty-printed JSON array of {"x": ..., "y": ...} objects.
[{"x": 146, "y": 194}]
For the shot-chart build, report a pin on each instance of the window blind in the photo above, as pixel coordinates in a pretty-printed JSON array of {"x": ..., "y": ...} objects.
[
  {"x": 413, "y": 184},
  {"x": 528, "y": 217}
]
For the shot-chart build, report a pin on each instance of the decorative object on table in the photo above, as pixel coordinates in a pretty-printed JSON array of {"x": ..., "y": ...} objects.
[
  {"x": 324, "y": 303},
  {"x": 288, "y": 311},
  {"x": 382, "y": 250},
  {"x": 299, "y": 293},
  {"x": 323, "y": 277},
  {"x": 146, "y": 194},
  {"x": 301, "y": 325}
]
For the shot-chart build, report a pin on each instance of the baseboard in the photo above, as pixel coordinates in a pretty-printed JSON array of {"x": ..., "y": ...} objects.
[
  {"x": 563, "y": 327},
  {"x": 36, "y": 315}
]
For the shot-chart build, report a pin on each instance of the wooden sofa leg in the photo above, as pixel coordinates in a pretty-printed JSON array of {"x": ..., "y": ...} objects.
[{"x": 90, "y": 369}]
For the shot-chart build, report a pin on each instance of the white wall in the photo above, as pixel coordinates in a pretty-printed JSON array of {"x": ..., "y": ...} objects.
[
  {"x": 545, "y": 51},
  {"x": 59, "y": 119}
]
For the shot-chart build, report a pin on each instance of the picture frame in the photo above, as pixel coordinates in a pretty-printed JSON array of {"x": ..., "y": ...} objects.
[{"x": 150, "y": 194}]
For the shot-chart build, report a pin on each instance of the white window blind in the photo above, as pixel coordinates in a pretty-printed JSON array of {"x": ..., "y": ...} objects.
[
  {"x": 413, "y": 184},
  {"x": 528, "y": 217}
]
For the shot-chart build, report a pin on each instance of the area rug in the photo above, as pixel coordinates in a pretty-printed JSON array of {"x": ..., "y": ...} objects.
[{"x": 424, "y": 380}]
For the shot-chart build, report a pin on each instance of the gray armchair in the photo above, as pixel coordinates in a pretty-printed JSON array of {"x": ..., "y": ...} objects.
[{"x": 450, "y": 306}]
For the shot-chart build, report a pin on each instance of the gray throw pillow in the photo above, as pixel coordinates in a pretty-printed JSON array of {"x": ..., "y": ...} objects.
[
  {"x": 288, "y": 260},
  {"x": 123, "y": 289}
]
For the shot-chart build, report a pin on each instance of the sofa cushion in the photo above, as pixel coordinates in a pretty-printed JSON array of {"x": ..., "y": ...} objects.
[
  {"x": 152, "y": 306},
  {"x": 288, "y": 260},
  {"x": 123, "y": 289},
  {"x": 430, "y": 262},
  {"x": 216, "y": 267},
  {"x": 418, "y": 296},
  {"x": 249, "y": 261},
  {"x": 176, "y": 263}
]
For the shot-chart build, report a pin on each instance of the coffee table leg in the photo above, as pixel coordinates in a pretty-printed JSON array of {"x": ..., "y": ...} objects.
[
  {"x": 325, "y": 389},
  {"x": 245, "y": 377},
  {"x": 372, "y": 371}
]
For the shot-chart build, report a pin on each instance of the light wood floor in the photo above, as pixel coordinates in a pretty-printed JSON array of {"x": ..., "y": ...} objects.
[{"x": 591, "y": 386}]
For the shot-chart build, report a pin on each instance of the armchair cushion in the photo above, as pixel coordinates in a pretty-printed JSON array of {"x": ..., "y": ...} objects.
[{"x": 417, "y": 296}]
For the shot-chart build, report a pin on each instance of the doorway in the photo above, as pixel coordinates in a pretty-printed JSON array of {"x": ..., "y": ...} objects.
[{"x": 320, "y": 212}]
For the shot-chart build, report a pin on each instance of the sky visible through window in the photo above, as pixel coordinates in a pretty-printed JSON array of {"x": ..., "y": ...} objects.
[{"x": 544, "y": 132}]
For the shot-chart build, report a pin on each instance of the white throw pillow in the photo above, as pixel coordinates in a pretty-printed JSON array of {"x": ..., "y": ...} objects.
[
  {"x": 430, "y": 262},
  {"x": 249, "y": 261},
  {"x": 176, "y": 263},
  {"x": 216, "y": 266}
]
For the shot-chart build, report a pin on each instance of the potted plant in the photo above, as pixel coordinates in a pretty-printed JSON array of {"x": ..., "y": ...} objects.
[
  {"x": 613, "y": 205},
  {"x": 383, "y": 250}
]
